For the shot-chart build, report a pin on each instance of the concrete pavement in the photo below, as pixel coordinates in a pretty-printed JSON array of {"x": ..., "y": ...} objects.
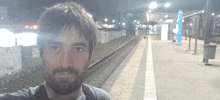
[{"x": 161, "y": 70}]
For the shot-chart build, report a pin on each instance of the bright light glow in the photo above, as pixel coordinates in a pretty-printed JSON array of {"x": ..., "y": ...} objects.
[
  {"x": 167, "y": 5},
  {"x": 26, "y": 39},
  {"x": 113, "y": 21},
  {"x": 138, "y": 22},
  {"x": 2, "y": 17},
  {"x": 166, "y": 16},
  {"x": 153, "y": 5},
  {"x": 144, "y": 26},
  {"x": 135, "y": 21},
  {"x": 106, "y": 19},
  {"x": 203, "y": 11},
  {"x": 35, "y": 27},
  {"x": 213, "y": 14},
  {"x": 7, "y": 38},
  {"x": 123, "y": 23},
  {"x": 148, "y": 19},
  {"x": 149, "y": 11},
  {"x": 161, "y": 19},
  {"x": 190, "y": 24},
  {"x": 219, "y": 15},
  {"x": 26, "y": 26},
  {"x": 169, "y": 20},
  {"x": 119, "y": 23},
  {"x": 90, "y": 16}
]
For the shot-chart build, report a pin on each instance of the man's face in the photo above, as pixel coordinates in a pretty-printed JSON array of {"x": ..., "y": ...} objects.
[{"x": 66, "y": 61}]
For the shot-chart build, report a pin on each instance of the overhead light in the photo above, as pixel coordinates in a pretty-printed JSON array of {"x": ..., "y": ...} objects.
[
  {"x": 167, "y": 5},
  {"x": 153, "y": 5},
  {"x": 113, "y": 21},
  {"x": 35, "y": 26},
  {"x": 203, "y": 11},
  {"x": 166, "y": 16},
  {"x": 138, "y": 22},
  {"x": 219, "y": 15},
  {"x": 149, "y": 11},
  {"x": 26, "y": 26},
  {"x": 213, "y": 14},
  {"x": 123, "y": 23},
  {"x": 106, "y": 19}
]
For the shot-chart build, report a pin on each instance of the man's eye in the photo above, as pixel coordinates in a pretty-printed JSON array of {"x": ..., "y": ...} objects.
[
  {"x": 54, "y": 47},
  {"x": 79, "y": 49}
]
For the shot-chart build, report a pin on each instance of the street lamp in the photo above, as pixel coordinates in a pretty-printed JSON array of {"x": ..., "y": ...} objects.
[
  {"x": 213, "y": 14},
  {"x": 153, "y": 5},
  {"x": 106, "y": 19},
  {"x": 113, "y": 21},
  {"x": 167, "y": 5}
]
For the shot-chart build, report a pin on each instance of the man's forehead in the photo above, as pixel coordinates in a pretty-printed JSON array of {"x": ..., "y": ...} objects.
[{"x": 67, "y": 38}]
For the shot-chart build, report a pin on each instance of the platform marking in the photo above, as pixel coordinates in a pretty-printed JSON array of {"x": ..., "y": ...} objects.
[
  {"x": 150, "y": 87},
  {"x": 122, "y": 88}
]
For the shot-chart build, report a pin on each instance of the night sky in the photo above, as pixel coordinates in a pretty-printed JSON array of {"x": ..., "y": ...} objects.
[{"x": 28, "y": 11}]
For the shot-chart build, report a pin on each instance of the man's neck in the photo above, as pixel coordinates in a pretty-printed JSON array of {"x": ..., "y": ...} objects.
[{"x": 53, "y": 96}]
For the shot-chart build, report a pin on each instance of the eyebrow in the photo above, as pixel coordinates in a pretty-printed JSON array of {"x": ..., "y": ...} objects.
[{"x": 75, "y": 44}]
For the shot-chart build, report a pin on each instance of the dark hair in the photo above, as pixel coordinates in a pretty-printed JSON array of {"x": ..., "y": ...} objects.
[{"x": 64, "y": 16}]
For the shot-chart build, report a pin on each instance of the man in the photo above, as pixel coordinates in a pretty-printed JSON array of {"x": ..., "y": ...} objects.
[{"x": 66, "y": 39}]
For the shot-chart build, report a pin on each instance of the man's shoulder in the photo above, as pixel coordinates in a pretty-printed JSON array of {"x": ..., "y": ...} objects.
[
  {"x": 25, "y": 94},
  {"x": 98, "y": 93}
]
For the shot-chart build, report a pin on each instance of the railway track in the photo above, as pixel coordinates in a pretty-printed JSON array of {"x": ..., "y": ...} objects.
[{"x": 100, "y": 71}]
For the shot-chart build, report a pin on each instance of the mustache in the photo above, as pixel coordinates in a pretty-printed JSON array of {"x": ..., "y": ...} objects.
[{"x": 69, "y": 69}]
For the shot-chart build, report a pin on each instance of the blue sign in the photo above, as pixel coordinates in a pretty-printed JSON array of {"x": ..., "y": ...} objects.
[{"x": 179, "y": 34}]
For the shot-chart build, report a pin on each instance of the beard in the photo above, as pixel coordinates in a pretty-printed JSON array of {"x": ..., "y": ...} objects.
[{"x": 65, "y": 85}]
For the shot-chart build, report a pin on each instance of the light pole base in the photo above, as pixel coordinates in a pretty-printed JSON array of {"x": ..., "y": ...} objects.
[{"x": 207, "y": 64}]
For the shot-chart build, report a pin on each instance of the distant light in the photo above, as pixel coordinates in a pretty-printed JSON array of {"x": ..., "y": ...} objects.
[
  {"x": 213, "y": 14},
  {"x": 149, "y": 11},
  {"x": 153, "y": 5},
  {"x": 35, "y": 27},
  {"x": 219, "y": 15},
  {"x": 167, "y": 5},
  {"x": 106, "y": 19},
  {"x": 26, "y": 26},
  {"x": 113, "y": 21},
  {"x": 123, "y": 23},
  {"x": 203, "y": 11},
  {"x": 135, "y": 21},
  {"x": 169, "y": 20},
  {"x": 119, "y": 23},
  {"x": 2, "y": 17},
  {"x": 161, "y": 19},
  {"x": 190, "y": 24},
  {"x": 166, "y": 16},
  {"x": 90, "y": 16},
  {"x": 138, "y": 22}
]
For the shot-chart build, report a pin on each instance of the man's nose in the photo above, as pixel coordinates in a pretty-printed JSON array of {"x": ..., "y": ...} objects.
[{"x": 66, "y": 59}]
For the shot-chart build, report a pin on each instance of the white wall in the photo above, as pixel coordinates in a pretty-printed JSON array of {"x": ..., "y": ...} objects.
[{"x": 10, "y": 60}]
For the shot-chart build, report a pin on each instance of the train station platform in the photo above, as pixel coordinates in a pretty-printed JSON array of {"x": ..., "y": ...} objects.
[{"x": 161, "y": 70}]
